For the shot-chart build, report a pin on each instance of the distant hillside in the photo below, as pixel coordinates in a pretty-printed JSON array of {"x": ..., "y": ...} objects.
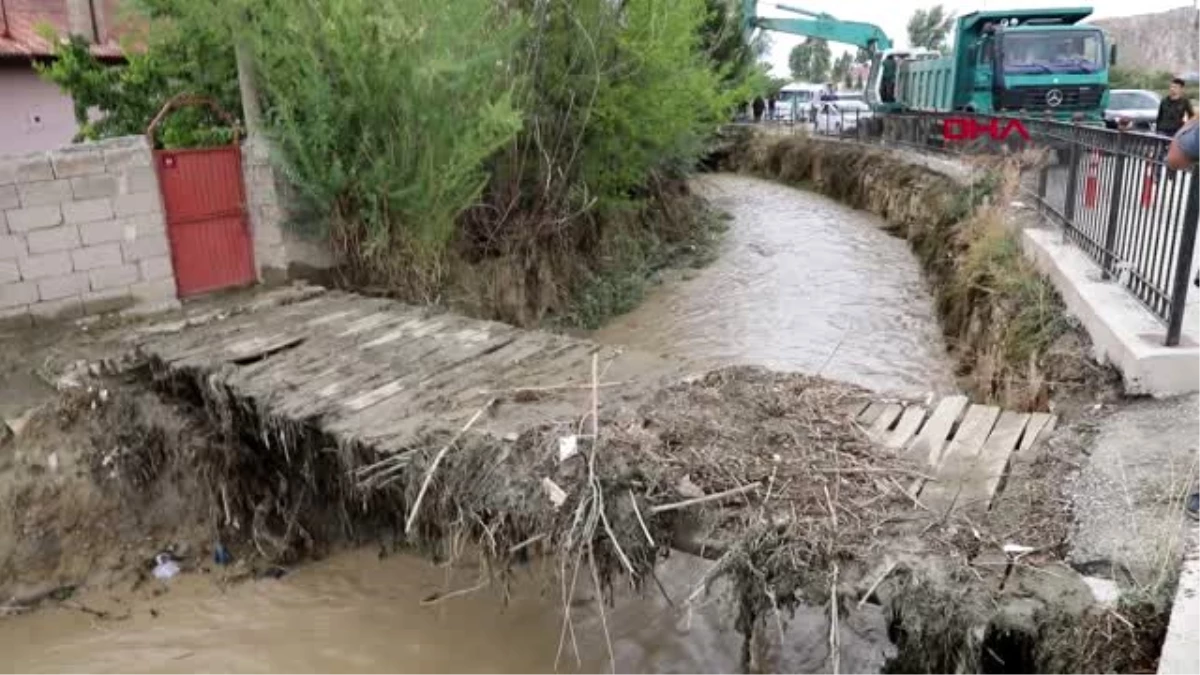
[{"x": 1163, "y": 41}]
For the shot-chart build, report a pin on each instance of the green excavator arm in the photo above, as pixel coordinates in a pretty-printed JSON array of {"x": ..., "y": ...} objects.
[{"x": 818, "y": 25}]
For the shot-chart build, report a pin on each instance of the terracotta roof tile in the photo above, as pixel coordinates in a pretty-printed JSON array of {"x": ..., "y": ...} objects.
[{"x": 19, "y": 35}]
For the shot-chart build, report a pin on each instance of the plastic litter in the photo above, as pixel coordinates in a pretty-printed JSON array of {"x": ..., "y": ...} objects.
[
  {"x": 555, "y": 493},
  {"x": 568, "y": 447},
  {"x": 221, "y": 555},
  {"x": 165, "y": 567}
]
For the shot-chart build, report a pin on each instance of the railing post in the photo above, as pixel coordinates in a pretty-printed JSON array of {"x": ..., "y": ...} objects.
[
  {"x": 1072, "y": 177},
  {"x": 1043, "y": 179},
  {"x": 1183, "y": 263},
  {"x": 1114, "y": 209}
]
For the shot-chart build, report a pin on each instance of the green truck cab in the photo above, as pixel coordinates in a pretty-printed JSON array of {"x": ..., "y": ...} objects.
[{"x": 1036, "y": 62}]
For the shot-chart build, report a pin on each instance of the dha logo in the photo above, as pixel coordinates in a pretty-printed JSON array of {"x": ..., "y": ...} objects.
[{"x": 968, "y": 129}]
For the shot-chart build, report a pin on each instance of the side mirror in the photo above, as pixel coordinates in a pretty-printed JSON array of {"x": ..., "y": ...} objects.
[{"x": 1112, "y": 55}]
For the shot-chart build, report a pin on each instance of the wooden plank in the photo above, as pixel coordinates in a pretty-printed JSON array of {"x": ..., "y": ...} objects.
[
  {"x": 928, "y": 445},
  {"x": 959, "y": 458},
  {"x": 855, "y": 408},
  {"x": 258, "y": 346},
  {"x": 1040, "y": 425},
  {"x": 867, "y": 417},
  {"x": 886, "y": 418},
  {"x": 979, "y": 488},
  {"x": 370, "y": 398},
  {"x": 908, "y": 425}
]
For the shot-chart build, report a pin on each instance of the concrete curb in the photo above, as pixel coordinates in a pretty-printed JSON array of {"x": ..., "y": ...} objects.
[{"x": 1181, "y": 649}]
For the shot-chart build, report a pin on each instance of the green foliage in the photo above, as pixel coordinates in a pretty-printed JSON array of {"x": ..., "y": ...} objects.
[
  {"x": 1156, "y": 81},
  {"x": 660, "y": 101},
  {"x": 841, "y": 69},
  {"x": 810, "y": 60},
  {"x": 384, "y": 113},
  {"x": 416, "y": 131},
  {"x": 121, "y": 99},
  {"x": 928, "y": 28}
]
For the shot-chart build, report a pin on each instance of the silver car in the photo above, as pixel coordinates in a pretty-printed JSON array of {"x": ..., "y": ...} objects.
[{"x": 1138, "y": 106}]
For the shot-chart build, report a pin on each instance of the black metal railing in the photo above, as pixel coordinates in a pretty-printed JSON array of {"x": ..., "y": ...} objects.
[{"x": 1110, "y": 190}]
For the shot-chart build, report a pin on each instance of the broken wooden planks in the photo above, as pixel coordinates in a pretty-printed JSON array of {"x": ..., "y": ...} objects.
[
  {"x": 978, "y": 488},
  {"x": 968, "y": 459},
  {"x": 959, "y": 458},
  {"x": 887, "y": 417},
  {"x": 927, "y": 447},
  {"x": 1040, "y": 425},
  {"x": 906, "y": 428}
]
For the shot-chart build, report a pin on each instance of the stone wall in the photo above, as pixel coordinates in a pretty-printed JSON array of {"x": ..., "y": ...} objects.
[
  {"x": 82, "y": 232},
  {"x": 279, "y": 252}
]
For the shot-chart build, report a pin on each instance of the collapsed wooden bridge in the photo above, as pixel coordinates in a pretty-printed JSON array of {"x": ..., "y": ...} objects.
[
  {"x": 380, "y": 373},
  {"x": 966, "y": 447}
]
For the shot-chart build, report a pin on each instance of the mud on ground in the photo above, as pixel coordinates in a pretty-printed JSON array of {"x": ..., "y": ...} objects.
[{"x": 121, "y": 468}]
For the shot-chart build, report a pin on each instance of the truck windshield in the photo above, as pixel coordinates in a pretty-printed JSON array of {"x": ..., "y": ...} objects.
[{"x": 1053, "y": 52}]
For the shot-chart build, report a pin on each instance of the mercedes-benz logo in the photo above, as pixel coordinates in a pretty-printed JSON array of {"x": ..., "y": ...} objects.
[{"x": 1054, "y": 98}]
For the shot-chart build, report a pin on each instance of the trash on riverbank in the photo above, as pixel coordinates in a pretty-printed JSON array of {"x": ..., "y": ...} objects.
[{"x": 165, "y": 567}]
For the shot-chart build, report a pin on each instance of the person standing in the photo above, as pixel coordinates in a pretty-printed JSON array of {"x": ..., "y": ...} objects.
[
  {"x": 759, "y": 106},
  {"x": 1174, "y": 110}
]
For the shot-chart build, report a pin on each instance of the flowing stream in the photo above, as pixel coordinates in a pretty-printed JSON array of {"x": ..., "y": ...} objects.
[{"x": 802, "y": 283}]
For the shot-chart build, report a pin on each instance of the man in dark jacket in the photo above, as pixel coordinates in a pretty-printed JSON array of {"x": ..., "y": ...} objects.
[{"x": 1174, "y": 110}]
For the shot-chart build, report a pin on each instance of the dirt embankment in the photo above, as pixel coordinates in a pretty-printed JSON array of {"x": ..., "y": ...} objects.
[
  {"x": 1005, "y": 324},
  {"x": 765, "y": 473}
]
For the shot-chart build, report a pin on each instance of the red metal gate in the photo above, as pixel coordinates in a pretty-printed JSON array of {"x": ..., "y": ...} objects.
[{"x": 205, "y": 204}]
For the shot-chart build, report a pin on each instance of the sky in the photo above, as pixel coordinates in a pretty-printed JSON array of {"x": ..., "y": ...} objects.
[{"x": 892, "y": 16}]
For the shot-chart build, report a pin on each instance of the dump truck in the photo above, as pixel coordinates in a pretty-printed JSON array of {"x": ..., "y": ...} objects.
[{"x": 1040, "y": 62}]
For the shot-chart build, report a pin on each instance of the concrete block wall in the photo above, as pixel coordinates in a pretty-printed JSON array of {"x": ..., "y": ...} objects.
[
  {"x": 279, "y": 252},
  {"x": 82, "y": 232}
]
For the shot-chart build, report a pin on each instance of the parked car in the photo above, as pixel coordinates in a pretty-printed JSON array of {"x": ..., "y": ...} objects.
[
  {"x": 836, "y": 117},
  {"x": 1139, "y": 106}
]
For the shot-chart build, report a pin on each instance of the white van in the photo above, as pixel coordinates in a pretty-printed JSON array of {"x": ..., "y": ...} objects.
[{"x": 796, "y": 100}]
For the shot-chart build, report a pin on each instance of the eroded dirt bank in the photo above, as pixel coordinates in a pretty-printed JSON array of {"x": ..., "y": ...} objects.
[
  {"x": 813, "y": 518},
  {"x": 1004, "y": 323}
]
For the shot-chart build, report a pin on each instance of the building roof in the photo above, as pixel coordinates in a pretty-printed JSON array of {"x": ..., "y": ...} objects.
[{"x": 20, "y": 21}]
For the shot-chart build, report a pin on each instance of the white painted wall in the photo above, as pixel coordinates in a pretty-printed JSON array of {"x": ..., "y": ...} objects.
[{"x": 35, "y": 116}]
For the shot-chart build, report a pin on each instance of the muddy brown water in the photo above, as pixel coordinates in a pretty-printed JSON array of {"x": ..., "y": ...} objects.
[
  {"x": 355, "y": 612},
  {"x": 802, "y": 283}
]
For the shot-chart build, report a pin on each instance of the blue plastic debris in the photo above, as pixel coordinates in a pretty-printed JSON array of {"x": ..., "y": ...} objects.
[{"x": 221, "y": 555}]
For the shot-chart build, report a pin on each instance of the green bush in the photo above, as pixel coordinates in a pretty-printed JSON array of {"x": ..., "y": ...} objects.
[
  {"x": 384, "y": 113},
  {"x": 1156, "y": 81},
  {"x": 419, "y": 134}
]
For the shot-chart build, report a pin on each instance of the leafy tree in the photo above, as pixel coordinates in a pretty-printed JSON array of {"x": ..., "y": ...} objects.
[
  {"x": 414, "y": 131},
  {"x": 927, "y": 28},
  {"x": 1159, "y": 81},
  {"x": 117, "y": 100},
  {"x": 841, "y": 68},
  {"x": 810, "y": 60}
]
